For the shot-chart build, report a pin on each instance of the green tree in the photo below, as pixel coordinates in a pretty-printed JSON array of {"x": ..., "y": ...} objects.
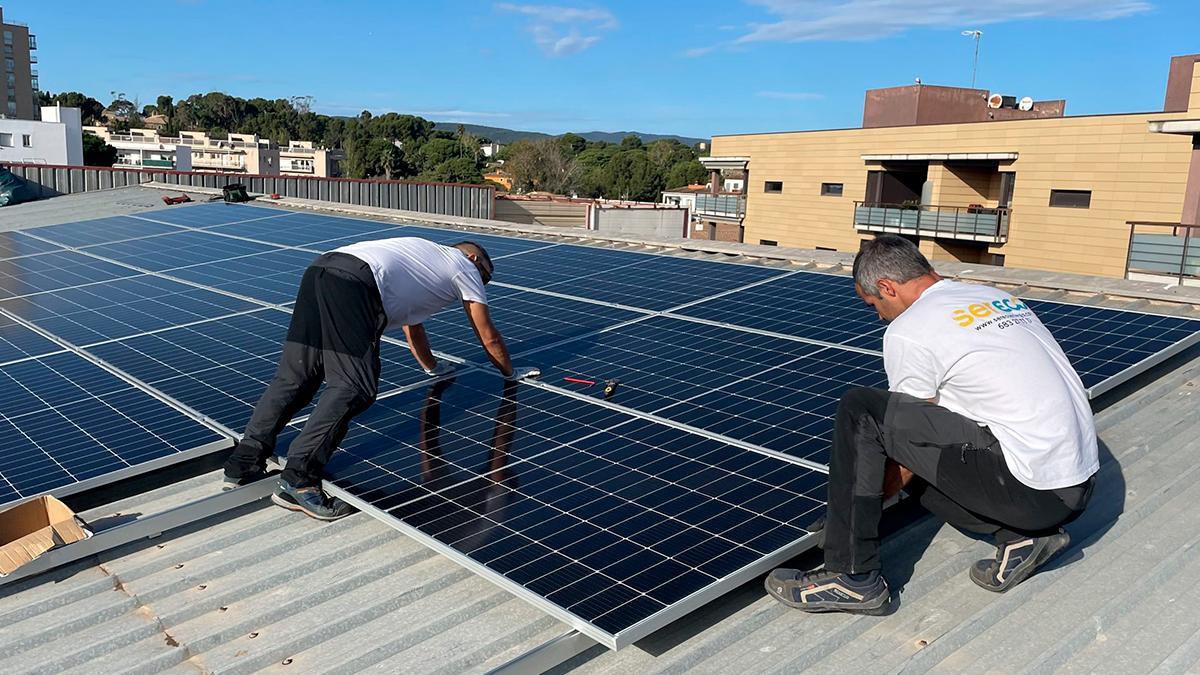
[
  {"x": 574, "y": 143},
  {"x": 631, "y": 142},
  {"x": 686, "y": 173},
  {"x": 436, "y": 151},
  {"x": 456, "y": 170},
  {"x": 381, "y": 158},
  {"x": 90, "y": 110},
  {"x": 542, "y": 165},
  {"x": 96, "y": 152},
  {"x": 631, "y": 175},
  {"x": 165, "y": 105}
]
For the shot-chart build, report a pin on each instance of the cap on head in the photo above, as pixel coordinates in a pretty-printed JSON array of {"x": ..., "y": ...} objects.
[{"x": 481, "y": 255}]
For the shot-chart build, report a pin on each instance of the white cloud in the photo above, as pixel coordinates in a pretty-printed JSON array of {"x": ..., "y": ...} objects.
[
  {"x": 697, "y": 51},
  {"x": 806, "y": 20},
  {"x": 562, "y": 31},
  {"x": 790, "y": 95},
  {"x": 460, "y": 114}
]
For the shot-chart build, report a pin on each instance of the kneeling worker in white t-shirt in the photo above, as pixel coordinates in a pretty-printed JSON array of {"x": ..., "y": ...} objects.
[
  {"x": 347, "y": 299},
  {"x": 985, "y": 422}
]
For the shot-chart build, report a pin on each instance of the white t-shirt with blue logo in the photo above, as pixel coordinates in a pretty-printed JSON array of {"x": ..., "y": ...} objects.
[{"x": 983, "y": 354}]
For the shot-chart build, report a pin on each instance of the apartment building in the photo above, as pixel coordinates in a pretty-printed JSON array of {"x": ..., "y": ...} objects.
[
  {"x": 237, "y": 153},
  {"x": 19, "y": 98},
  {"x": 55, "y": 138},
  {"x": 982, "y": 178}
]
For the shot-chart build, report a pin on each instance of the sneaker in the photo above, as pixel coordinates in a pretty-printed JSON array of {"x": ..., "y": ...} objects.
[
  {"x": 1016, "y": 561},
  {"x": 823, "y": 591},
  {"x": 311, "y": 501},
  {"x": 230, "y": 483}
]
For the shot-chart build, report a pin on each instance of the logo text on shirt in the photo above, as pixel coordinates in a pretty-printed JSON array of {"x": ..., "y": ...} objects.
[{"x": 966, "y": 317}]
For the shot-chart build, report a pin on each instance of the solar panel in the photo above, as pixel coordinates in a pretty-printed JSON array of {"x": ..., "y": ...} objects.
[
  {"x": 527, "y": 321},
  {"x": 767, "y": 391},
  {"x": 306, "y": 229},
  {"x": 101, "y": 230},
  {"x": 182, "y": 249},
  {"x": 19, "y": 342},
  {"x": 205, "y": 215},
  {"x": 67, "y": 424},
  {"x": 121, "y": 308},
  {"x": 606, "y": 520},
  {"x": 16, "y": 244},
  {"x": 271, "y": 277},
  {"x": 1109, "y": 346},
  {"x": 821, "y": 307},
  {"x": 54, "y": 271},
  {"x": 221, "y": 367}
]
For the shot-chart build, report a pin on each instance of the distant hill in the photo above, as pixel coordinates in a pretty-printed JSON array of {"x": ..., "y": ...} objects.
[{"x": 506, "y": 136}]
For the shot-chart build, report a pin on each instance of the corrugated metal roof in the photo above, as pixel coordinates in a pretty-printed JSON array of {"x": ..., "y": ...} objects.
[
  {"x": 87, "y": 205},
  {"x": 257, "y": 588},
  {"x": 261, "y": 589}
]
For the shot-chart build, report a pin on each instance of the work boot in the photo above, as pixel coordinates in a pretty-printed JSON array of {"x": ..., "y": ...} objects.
[
  {"x": 1016, "y": 561},
  {"x": 824, "y": 591},
  {"x": 311, "y": 501},
  {"x": 230, "y": 483}
]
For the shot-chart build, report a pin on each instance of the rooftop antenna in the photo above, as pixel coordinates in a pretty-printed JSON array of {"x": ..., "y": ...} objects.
[{"x": 975, "y": 35}]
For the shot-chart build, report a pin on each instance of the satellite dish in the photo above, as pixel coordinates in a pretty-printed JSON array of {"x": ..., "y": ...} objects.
[
  {"x": 995, "y": 101},
  {"x": 1026, "y": 103}
]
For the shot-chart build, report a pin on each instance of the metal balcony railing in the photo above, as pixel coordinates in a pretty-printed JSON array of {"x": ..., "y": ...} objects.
[
  {"x": 721, "y": 206},
  {"x": 971, "y": 223},
  {"x": 1159, "y": 250}
]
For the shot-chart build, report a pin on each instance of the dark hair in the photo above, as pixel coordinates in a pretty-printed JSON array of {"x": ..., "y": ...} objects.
[
  {"x": 888, "y": 256},
  {"x": 484, "y": 258}
]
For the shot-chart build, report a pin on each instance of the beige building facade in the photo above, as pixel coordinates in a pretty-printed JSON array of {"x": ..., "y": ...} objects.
[
  {"x": 1023, "y": 187},
  {"x": 237, "y": 153},
  {"x": 19, "y": 95}
]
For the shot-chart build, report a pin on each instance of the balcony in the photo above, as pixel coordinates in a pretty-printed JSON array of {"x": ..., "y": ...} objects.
[
  {"x": 722, "y": 206},
  {"x": 968, "y": 223},
  {"x": 1164, "y": 251}
]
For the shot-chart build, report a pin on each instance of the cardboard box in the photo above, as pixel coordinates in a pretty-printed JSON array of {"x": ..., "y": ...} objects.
[{"x": 31, "y": 528}]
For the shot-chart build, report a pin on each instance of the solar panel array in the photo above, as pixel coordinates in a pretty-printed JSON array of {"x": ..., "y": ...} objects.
[{"x": 134, "y": 341}]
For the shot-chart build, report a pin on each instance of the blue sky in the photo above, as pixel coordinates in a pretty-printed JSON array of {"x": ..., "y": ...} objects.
[{"x": 695, "y": 68}]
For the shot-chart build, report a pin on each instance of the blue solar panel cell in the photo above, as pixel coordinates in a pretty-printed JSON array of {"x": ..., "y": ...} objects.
[
  {"x": 659, "y": 283},
  {"x": 183, "y": 249},
  {"x": 65, "y": 420},
  {"x": 610, "y": 517},
  {"x": 101, "y": 230},
  {"x": 821, "y": 307},
  {"x": 221, "y": 367},
  {"x": 19, "y": 342},
  {"x": 121, "y": 308},
  {"x": 527, "y": 321},
  {"x": 308, "y": 229},
  {"x": 54, "y": 271},
  {"x": 16, "y": 244},
  {"x": 272, "y": 277},
  {"x": 205, "y": 215},
  {"x": 775, "y": 393}
]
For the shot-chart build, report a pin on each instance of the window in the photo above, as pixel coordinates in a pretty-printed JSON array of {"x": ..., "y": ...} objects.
[
  {"x": 10, "y": 65},
  {"x": 8, "y": 37},
  {"x": 5, "y": 140},
  {"x": 831, "y": 189},
  {"x": 773, "y": 186},
  {"x": 12, "y": 110},
  {"x": 767, "y": 242},
  {"x": 1071, "y": 199},
  {"x": 27, "y": 140}
]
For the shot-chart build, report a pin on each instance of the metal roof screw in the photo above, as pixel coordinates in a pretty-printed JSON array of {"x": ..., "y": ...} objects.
[
  {"x": 202, "y": 586},
  {"x": 287, "y": 661},
  {"x": 922, "y": 643},
  {"x": 253, "y": 635},
  {"x": 222, "y": 609},
  {"x": 179, "y": 566}
]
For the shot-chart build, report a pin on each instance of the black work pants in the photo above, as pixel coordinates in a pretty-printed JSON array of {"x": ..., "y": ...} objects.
[
  {"x": 333, "y": 337},
  {"x": 960, "y": 476}
]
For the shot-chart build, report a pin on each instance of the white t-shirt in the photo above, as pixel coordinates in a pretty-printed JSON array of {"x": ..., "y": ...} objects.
[
  {"x": 983, "y": 354},
  {"x": 417, "y": 277}
]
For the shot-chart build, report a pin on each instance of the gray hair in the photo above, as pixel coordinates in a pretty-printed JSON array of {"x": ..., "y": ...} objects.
[{"x": 888, "y": 256}]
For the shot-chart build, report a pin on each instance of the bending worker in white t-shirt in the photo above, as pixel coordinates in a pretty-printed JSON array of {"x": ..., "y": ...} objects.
[
  {"x": 986, "y": 423},
  {"x": 347, "y": 299}
]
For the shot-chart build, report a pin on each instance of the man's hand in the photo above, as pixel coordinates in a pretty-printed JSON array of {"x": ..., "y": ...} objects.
[
  {"x": 523, "y": 373},
  {"x": 443, "y": 367}
]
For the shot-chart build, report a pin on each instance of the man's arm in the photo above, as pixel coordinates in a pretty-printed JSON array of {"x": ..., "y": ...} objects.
[
  {"x": 489, "y": 336},
  {"x": 418, "y": 344}
]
